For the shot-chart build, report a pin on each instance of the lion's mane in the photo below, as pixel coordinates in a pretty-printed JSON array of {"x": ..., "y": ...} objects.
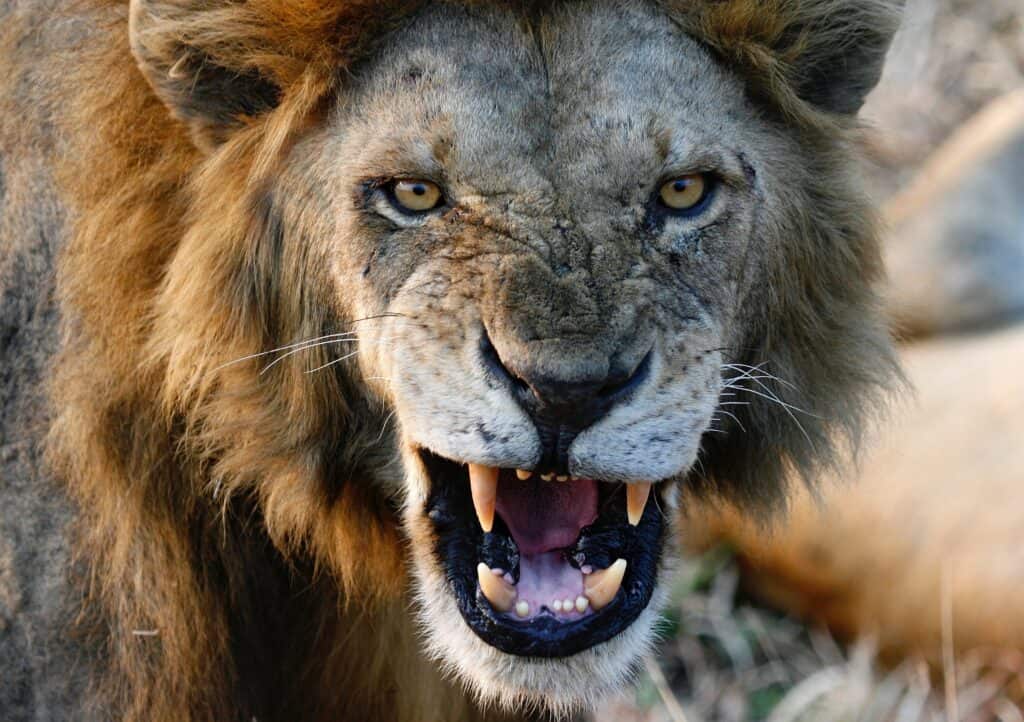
[{"x": 210, "y": 493}]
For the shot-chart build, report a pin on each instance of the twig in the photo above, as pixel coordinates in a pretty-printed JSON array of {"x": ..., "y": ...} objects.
[
  {"x": 675, "y": 711},
  {"x": 948, "y": 646}
]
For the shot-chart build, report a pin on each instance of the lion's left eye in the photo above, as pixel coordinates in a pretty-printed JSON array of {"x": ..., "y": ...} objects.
[
  {"x": 687, "y": 193},
  {"x": 416, "y": 196}
]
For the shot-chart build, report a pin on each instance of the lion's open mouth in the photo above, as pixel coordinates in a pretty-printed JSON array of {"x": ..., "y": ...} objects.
[{"x": 563, "y": 565}]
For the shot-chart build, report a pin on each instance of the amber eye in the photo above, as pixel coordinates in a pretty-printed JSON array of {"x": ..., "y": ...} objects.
[
  {"x": 685, "y": 193},
  {"x": 416, "y": 196}
]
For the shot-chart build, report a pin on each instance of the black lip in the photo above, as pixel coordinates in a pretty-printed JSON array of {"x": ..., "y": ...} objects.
[{"x": 461, "y": 545}]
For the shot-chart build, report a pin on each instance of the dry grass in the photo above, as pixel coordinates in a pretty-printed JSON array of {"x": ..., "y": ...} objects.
[{"x": 727, "y": 660}]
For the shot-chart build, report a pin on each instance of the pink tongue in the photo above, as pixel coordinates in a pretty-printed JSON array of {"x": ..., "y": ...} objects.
[{"x": 545, "y": 515}]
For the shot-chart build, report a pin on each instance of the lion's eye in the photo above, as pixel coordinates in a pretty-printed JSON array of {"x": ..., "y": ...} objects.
[
  {"x": 416, "y": 196},
  {"x": 686, "y": 193}
]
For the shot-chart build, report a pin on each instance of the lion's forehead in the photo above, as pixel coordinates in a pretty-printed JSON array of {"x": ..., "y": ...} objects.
[{"x": 583, "y": 104}]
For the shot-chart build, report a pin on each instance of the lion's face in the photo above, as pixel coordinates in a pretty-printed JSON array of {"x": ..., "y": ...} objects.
[
  {"x": 543, "y": 240},
  {"x": 579, "y": 265}
]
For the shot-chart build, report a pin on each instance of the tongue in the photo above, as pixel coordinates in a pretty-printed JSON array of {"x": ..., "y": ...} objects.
[{"x": 544, "y": 516}]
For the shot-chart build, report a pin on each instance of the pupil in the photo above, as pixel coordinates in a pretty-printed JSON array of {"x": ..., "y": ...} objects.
[
  {"x": 680, "y": 185},
  {"x": 419, "y": 189}
]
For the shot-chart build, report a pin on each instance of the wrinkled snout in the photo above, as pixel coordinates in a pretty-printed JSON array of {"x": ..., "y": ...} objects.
[{"x": 563, "y": 399}]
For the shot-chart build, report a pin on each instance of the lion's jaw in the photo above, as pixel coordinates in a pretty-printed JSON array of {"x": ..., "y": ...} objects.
[{"x": 551, "y": 279}]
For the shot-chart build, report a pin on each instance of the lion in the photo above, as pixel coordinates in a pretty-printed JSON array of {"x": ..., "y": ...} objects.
[{"x": 360, "y": 354}]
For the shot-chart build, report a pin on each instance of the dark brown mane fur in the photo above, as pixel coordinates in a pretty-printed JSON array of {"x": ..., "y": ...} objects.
[{"x": 170, "y": 449}]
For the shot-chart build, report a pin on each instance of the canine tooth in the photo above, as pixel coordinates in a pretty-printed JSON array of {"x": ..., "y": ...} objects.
[
  {"x": 636, "y": 500},
  {"x": 602, "y": 586},
  {"x": 522, "y": 609},
  {"x": 557, "y": 605},
  {"x": 547, "y": 477},
  {"x": 483, "y": 483},
  {"x": 499, "y": 593},
  {"x": 523, "y": 474},
  {"x": 581, "y": 604}
]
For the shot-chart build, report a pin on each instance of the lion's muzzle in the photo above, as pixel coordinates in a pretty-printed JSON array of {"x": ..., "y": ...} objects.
[{"x": 561, "y": 406}]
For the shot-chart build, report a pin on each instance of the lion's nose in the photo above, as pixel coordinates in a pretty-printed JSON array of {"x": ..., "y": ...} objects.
[{"x": 563, "y": 405}]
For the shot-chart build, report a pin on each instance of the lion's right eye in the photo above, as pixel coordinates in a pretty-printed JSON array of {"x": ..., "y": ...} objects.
[{"x": 416, "y": 196}]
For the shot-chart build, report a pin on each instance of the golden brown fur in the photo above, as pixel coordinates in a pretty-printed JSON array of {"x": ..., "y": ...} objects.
[{"x": 215, "y": 499}]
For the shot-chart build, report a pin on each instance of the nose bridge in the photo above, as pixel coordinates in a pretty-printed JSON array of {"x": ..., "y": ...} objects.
[
  {"x": 548, "y": 315},
  {"x": 566, "y": 353}
]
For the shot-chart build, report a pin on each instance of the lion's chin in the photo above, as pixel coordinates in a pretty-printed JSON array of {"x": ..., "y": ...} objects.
[
  {"x": 558, "y": 685},
  {"x": 533, "y": 591}
]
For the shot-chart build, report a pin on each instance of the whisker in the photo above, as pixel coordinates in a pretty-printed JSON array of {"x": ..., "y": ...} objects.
[
  {"x": 284, "y": 348},
  {"x": 760, "y": 368},
  {"x": 335, "y": 361},
  {"x": 311, "y": 342},
  {"x": 384, "y": 426},
  {"x": 308, "y": 347},
  {"x": 787, "y": 408},
  {"x": 775, "y": 399},
  {"x": 734, "y": 417}
]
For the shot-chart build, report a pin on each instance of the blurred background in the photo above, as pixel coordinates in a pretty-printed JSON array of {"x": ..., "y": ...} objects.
[{"x": 896, "y": 591}]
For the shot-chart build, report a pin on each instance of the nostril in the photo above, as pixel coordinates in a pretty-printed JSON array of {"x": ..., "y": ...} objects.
[
  {"x": 621, "y": 384},
  {"x": 497, "y": 367},
  {"x": 584, "y": 397},
  {"x": 561, "y": 407}
]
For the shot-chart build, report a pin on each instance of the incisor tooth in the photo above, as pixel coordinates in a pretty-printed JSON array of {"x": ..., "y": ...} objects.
[
  {"x": 636, "y": 499},
  {"x": 547, "y": 477},
  {"x": 499, "y": 593},
  {"x": 581, "y": 604},
  {"x": 557, "y": 605},
  {"x": 483, "y": 483},
  {"x": 523, "y": 474},
  {"x": 563, "y": 477},
  {"x": 523, "y": 609},
  {"x": 602, "y": 586}
]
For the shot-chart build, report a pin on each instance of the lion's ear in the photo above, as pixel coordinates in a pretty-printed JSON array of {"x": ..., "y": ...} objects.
[
  {"x": 824, "y": 54},
  {"x": 843, "y": 53},
  {"x": 201, "y": 82}
]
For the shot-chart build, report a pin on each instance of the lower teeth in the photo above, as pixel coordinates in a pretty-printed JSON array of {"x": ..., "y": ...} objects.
[{"x": 600, "y": 588}]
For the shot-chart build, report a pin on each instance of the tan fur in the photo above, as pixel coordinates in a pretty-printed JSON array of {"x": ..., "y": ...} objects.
[{"x": 217, "y": 500}]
